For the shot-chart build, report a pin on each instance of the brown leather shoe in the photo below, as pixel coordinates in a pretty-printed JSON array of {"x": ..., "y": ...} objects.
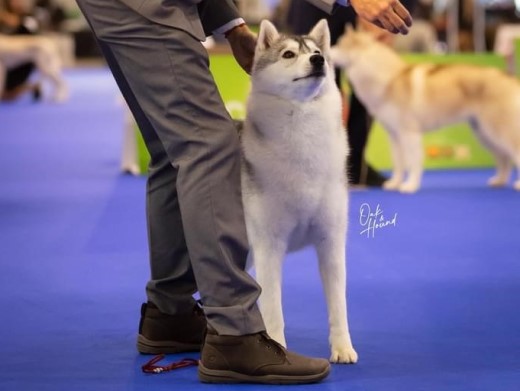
[
  {"x": 161, "y": 333},
  {"x": 256, "y": 358}
]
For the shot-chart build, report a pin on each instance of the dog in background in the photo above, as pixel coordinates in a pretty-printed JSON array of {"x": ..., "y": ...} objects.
[
  {"x": 294, "y": 173},
  {"x": 409, "y": 100},
  {"x": 19, "y": 49}
]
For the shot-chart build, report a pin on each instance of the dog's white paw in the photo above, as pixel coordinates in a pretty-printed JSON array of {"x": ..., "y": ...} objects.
[
  {"x": 61, "y": 95},
  {"x": 132, "y": 169},
  {"x": 391, "y": 184},
  {"x": 496, "y": 182},
  {"x": 408, "y": 188},
  {"x": 343, "y": 355},
  {"x": 516, "y": 185}
]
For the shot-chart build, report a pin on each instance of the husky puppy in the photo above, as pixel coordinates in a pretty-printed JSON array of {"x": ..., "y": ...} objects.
[
  {"x": 293, "y": 173},
  {"x": 18, "y": 49},
  {"x": 409, "y": 100}
]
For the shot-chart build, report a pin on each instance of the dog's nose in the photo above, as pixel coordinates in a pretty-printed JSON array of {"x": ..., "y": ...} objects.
[{"x": 317, "y": 60}]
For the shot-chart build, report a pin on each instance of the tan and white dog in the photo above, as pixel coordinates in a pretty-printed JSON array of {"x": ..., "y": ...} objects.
[
  {"x": 409, "y": 100},
  {"x": 18, "y": 49},
  {"x": 294, "y": 175}
]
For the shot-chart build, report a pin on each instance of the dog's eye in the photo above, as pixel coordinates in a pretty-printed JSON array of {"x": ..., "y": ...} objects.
[{"x": 288, "y": 54}]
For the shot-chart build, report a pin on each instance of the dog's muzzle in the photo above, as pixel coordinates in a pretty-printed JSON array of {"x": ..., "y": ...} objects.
[
  {"x": 317, "y": 62},
  {"x": 318, "y": 70}
]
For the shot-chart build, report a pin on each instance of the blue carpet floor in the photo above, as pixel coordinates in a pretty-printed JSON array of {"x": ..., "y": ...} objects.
[{"x": 434, "y": 301}]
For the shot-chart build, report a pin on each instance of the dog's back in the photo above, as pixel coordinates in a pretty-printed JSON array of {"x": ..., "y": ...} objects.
[
  {"x": 436, "y": 95},
  {"x": 432, "y": 94}
]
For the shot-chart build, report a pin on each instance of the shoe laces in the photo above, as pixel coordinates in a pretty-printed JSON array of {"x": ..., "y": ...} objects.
[{"x": 269, "y": 343}]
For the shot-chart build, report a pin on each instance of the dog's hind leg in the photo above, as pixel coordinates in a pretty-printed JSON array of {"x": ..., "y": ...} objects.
[
  {"x": 516, "y": 184},
  {"x": 502, "y": 159},
  {"x": 504, "y": 167},
  {"x": 414, "y": 158},
  {"x": 48, "y": 62},
  {"x": 267, "y": 259},
  {"x": 333, "y": 271}
]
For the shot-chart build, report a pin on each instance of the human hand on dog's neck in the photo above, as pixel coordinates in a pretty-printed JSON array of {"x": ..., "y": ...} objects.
[
  {"x": 243, "y": 42},
  {"x": 381, "y": 35}
]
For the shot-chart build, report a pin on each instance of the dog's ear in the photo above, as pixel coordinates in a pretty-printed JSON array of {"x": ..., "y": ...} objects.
[
  {"x": 267, "y": 36},
  {"x": 321, "y": 34}
]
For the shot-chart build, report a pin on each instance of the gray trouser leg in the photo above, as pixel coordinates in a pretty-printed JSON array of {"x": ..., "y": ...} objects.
[{"x": 195, "y": 216}]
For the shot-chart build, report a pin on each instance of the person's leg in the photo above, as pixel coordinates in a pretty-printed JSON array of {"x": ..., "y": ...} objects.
[
  {"x": 176, "y": 324},
  {"x": 357, "y": 125},
  {"x": 171, "y": 321},
  {"x": 164, "y": 75},
  {"x": 172, "y": 282},
  {"x": 3, "y": 71},
  {"x": 17, "y": 83},
  {"x": 18, "y": 75},
  {"x": 358, "y": 128}
]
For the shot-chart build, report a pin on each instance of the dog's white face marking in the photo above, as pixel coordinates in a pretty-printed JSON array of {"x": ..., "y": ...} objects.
[
  {"x": 302, "y": 55},
  {"x": 292, "y": 67}
]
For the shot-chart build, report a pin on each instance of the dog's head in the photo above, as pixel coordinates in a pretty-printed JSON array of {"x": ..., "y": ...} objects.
[
  {"x": 351, "y": 47},
  {"x": 293, "y": 67}
]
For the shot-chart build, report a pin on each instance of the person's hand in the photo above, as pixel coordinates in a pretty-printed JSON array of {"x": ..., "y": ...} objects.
[
  {"x": 243, "y": 43},
  {"x": 9, "y": 19},
  {"x": 390, "y": 15},
  {"x": 381, "y": 35}
]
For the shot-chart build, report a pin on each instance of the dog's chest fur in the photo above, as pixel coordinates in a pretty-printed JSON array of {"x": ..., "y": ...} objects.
[
  {"x": 298, "y": 145},
  {"x": 294, "y": 157}
]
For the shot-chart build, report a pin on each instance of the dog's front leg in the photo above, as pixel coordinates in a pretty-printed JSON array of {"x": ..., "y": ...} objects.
[
  {"x": 398, "y": 163},
  {"x": 414, "y": 158},
  {"x": 48, "y": 62},
  {"x": 3, "y": 72},
  {"x": 504, "y": 163},
  {"x": 267, "y": 259},
  {"x": 331, "y": 255}
]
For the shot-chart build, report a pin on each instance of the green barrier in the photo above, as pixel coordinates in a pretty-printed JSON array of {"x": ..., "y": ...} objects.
[
  {"x": 451, "y": 147},
  {"x": 517, "y": 57},
  {"x": 143, "y": 157}
]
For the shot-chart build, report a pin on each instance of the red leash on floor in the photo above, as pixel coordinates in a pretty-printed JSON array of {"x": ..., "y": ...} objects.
[{"x": 150, "y": 366}]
